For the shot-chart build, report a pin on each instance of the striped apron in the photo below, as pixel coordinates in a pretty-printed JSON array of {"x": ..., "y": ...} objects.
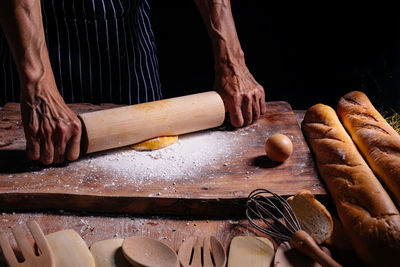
[{"x": 100, "y": 51}]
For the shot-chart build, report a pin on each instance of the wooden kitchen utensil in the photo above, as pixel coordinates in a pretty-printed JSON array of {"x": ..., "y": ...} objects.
[
  {"x": 250, "y": 251},
  {"x": 142, "y": 251},
  {"x": 264, "y": 206},
  {"x": 108, "y": 253},
  {"x": 202, "y": 252},
  {"x": 45, "y": 257},
  {"x": 287, "y": 256},
  {"x": 128, "y": 125},
  {"x": 69, "y": 249}
]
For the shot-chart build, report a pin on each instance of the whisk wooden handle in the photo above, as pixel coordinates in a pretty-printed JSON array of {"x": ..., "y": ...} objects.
[{"x": 304, "y": 243}]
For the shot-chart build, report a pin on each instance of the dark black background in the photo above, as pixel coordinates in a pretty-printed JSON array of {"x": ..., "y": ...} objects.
[{"x": 303, "y": 59}]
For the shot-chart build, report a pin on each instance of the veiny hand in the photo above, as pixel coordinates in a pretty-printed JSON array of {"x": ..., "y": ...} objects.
[
  {"x": 244, "y": 98},
  {"x": 52, "y": 129}
]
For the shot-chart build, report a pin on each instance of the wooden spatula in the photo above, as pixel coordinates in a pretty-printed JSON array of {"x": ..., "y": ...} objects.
[
  {"x": 250, "y": 251},
  {"x": 69, "y": 249},
  {"x": 45, "y": 257},
  {"x": 108, "y": 253}
]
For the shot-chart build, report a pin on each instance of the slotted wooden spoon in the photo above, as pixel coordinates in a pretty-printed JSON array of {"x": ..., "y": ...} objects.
[
  {"x": 202, "y": 252},
  {"x": 45, "y": 257}
]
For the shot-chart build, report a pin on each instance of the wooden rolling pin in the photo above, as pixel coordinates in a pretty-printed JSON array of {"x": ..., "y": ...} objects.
[{"x": 128, "y": 125}]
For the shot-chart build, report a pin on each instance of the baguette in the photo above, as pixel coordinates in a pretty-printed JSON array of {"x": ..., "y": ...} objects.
[
  {"x": 378, "y": 142},
  {"x": 369, "y": 216}
]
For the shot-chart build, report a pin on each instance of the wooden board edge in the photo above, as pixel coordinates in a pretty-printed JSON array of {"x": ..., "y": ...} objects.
[{"x": 213, "y": 207}]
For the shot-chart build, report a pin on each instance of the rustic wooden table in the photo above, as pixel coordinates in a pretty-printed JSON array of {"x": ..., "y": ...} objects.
[
  {"x": 95, "y": 227},
  {"x": 206, "y": 173}
]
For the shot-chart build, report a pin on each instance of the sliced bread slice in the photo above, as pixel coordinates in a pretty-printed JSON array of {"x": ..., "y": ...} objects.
[{"x": 314, "y": 218}]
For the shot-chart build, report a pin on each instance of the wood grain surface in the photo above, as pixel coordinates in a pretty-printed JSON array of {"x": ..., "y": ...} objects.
[
  {"x": 95, "y": 227},
  {"x": 172, "y": 231},
  {"x": 217, "y": 190}
]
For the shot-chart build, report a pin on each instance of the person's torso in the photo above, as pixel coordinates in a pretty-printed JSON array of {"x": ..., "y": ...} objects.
[{"x": 100, "y": 51}]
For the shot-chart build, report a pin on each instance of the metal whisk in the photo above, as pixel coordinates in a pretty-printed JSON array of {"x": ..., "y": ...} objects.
[{"x": 263, "y": 205}]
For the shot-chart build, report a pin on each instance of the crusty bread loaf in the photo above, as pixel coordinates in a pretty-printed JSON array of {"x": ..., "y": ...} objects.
[
  {"x": 339, "y": 239},
  {"x": 376, "y": 139},
  {"x": 368, "y": 214},
  {"x": 314, "y": 218}
]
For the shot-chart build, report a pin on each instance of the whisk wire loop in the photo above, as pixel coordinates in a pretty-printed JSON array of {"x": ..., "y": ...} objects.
[
  {"x": 271, "y": 229},
  {"x": 264, "y": 213},
  {"x": 265, "y": 205}
]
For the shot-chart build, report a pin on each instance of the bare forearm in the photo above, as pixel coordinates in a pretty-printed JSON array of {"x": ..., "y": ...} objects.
[
  {"x": 52, "y": 129},
  {"x": 244, "y": 98},
  {"x": 21, "y": 21},
  {"x": 221, "y": 28}
]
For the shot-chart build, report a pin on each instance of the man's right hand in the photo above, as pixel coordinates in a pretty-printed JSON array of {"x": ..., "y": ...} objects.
[{"x": 52, "y": 129}]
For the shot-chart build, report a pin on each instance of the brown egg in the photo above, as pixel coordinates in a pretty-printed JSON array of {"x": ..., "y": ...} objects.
[{"x": 278, "y": 147}]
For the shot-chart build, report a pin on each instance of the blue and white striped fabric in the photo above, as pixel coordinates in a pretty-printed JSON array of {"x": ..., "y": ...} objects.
[{"x": 100, "y": 51}]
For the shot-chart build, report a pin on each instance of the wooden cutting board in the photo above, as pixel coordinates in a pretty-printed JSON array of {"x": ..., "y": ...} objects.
[{"x": 209, "y": 173}]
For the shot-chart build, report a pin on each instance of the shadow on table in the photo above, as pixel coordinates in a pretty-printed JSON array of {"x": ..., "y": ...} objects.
[
  {"x": 264, "y": 162},
  {"x": 15, "y": 161}
]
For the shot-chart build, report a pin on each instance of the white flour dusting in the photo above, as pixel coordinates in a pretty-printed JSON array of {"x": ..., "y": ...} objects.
[
  {"x": 183, "y": 159},
  {"x": 200, "y": 155}
]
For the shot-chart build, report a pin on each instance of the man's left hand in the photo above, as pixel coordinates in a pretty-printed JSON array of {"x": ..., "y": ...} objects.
[{"x": 243, "y": 96}]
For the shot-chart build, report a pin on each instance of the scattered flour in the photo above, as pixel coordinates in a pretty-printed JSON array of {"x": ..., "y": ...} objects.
[
  {"x": 200, "y": 155},
  {"x": 184, "y": 159}
]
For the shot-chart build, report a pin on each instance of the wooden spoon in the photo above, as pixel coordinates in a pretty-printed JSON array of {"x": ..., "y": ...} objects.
[
  {"x": 142, "y": 251},
  {"x": 202, "y": 252},
  {"x": 108, "y": 253}
]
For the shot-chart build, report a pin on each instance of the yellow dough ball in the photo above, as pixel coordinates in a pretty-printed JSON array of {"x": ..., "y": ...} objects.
[{"x": 155, "y": 143}]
